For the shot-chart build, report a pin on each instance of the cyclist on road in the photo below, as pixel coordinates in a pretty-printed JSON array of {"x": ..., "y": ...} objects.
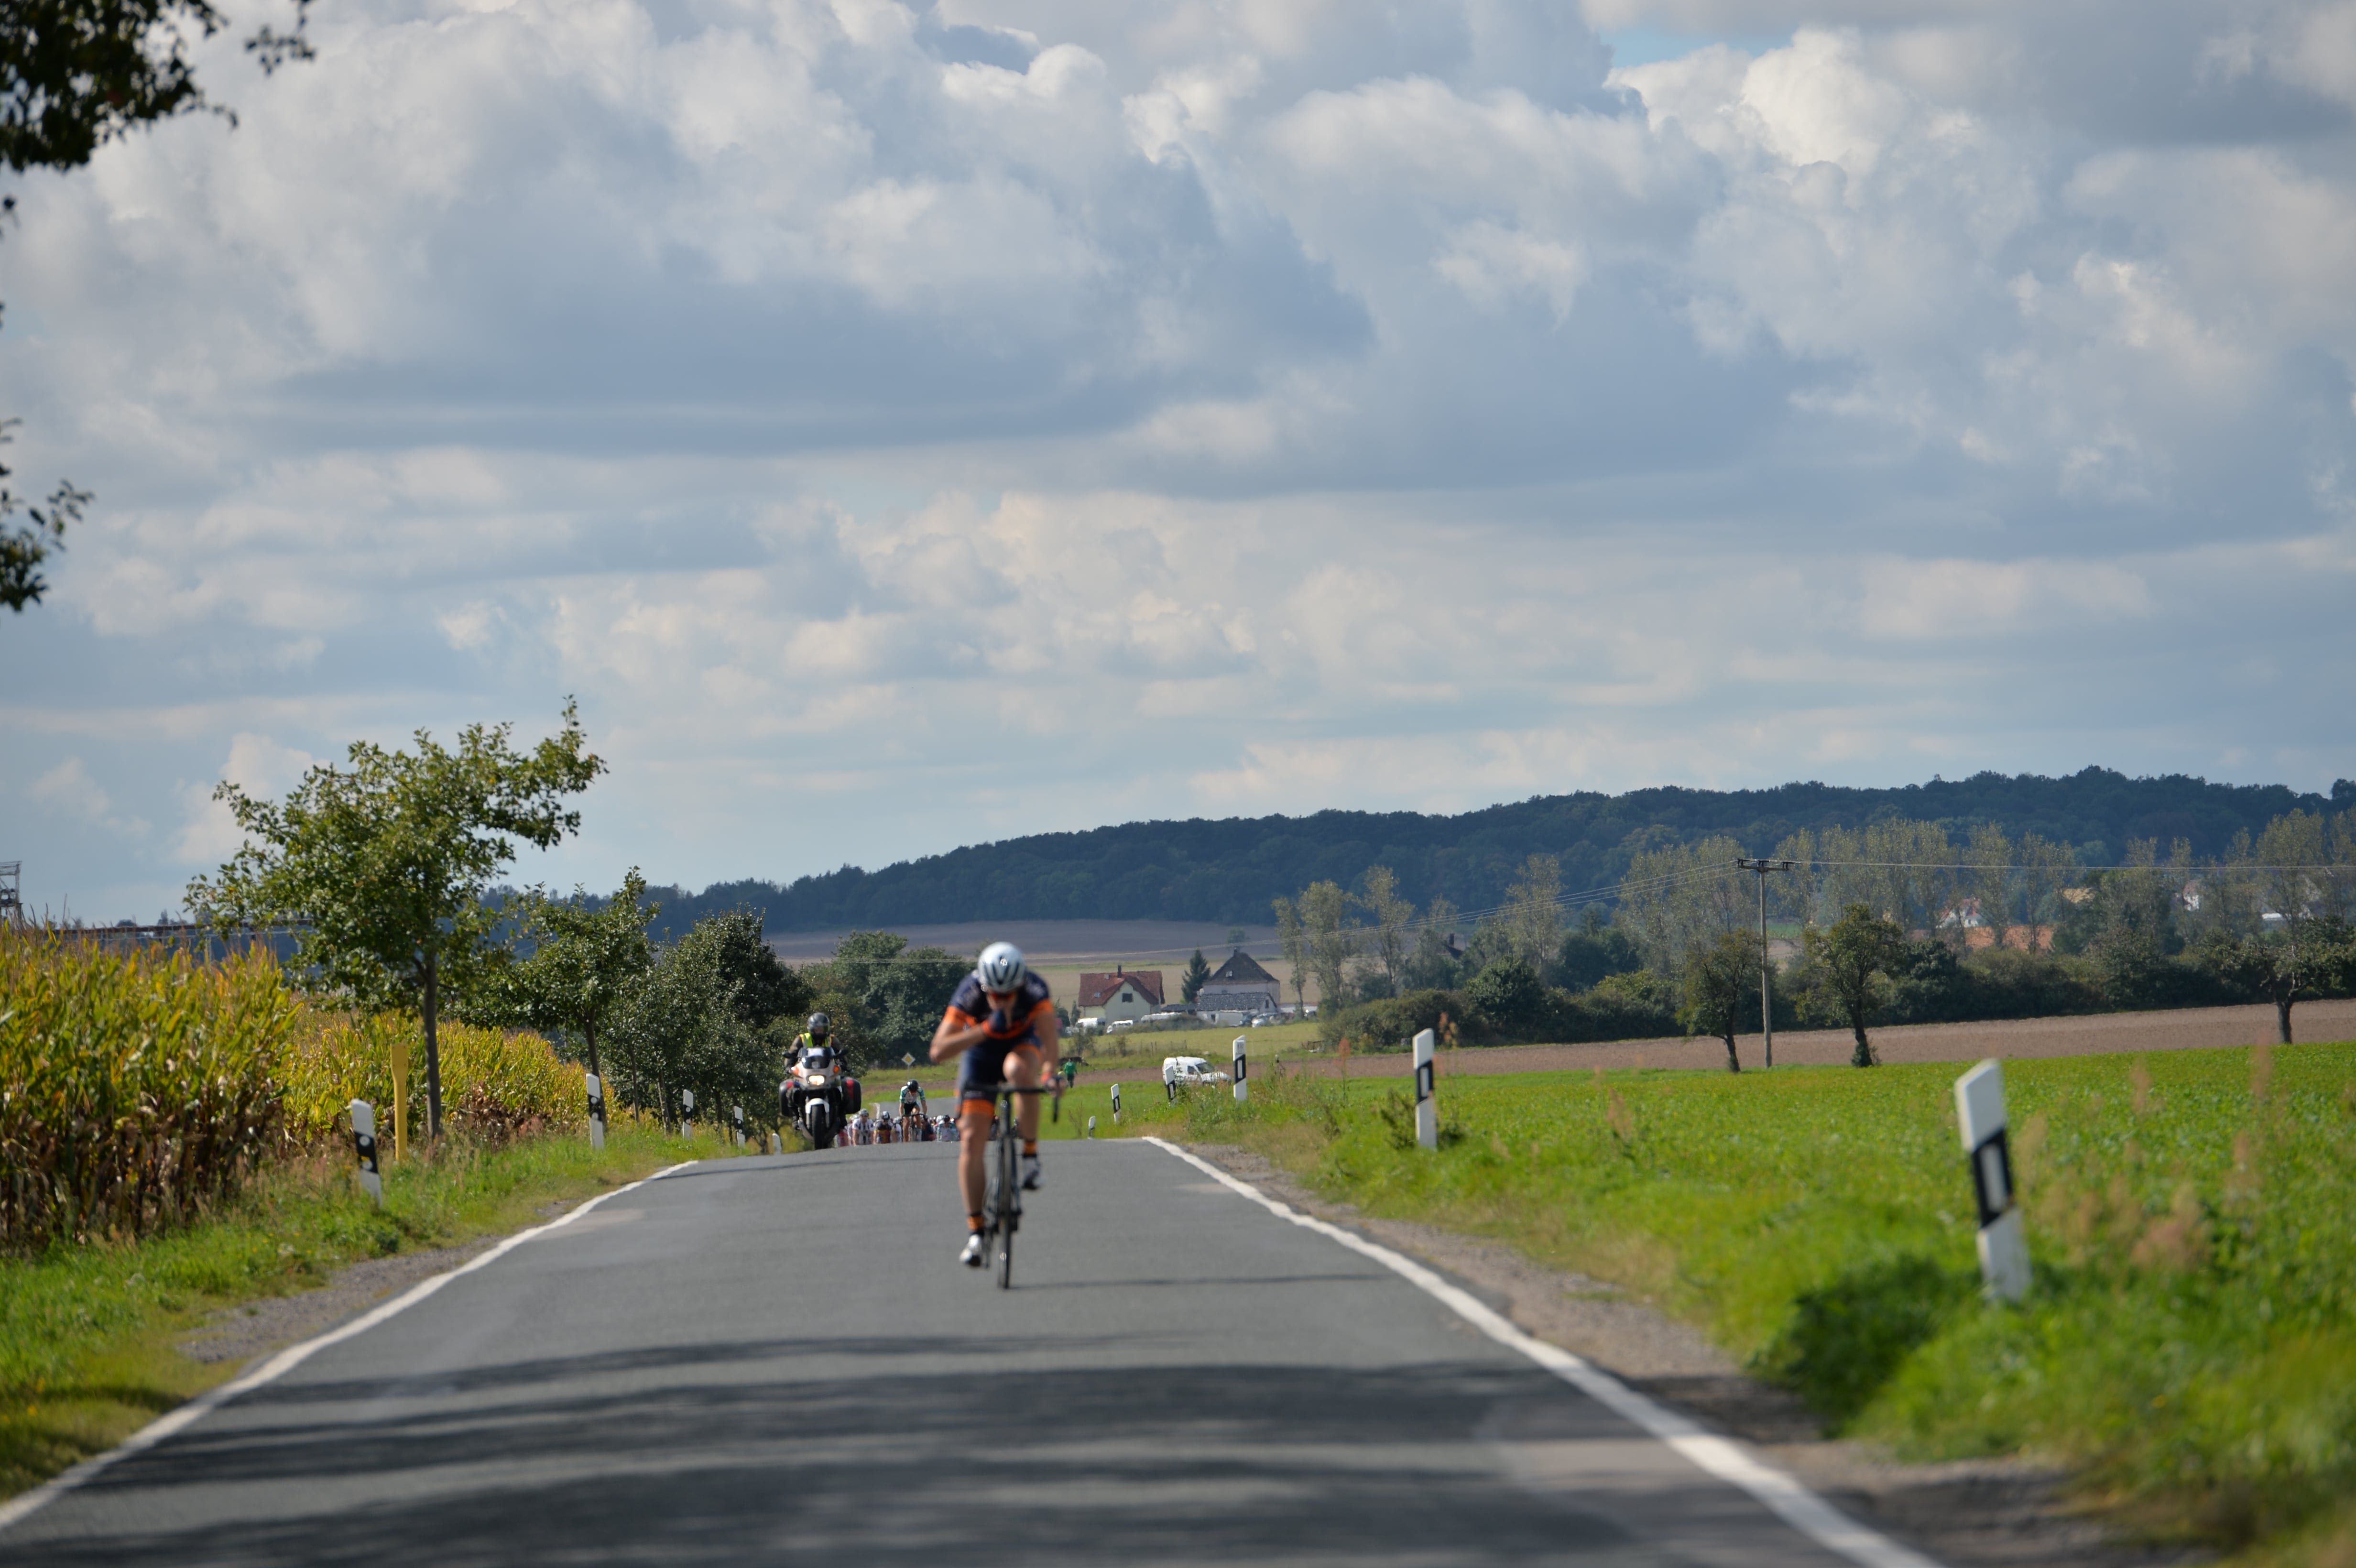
[{"x": 1001, "y": 1022}]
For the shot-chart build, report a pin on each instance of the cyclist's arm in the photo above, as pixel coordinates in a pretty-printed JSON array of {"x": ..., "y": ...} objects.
[{"x": 956, "y": 1035}]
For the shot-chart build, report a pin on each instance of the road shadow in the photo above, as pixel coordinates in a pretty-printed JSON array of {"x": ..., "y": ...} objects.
[{"x": 795, "y": 1457}]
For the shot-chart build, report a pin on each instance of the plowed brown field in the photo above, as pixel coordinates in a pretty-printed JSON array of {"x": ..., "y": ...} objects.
[{"x": 2191, "y": 1029}]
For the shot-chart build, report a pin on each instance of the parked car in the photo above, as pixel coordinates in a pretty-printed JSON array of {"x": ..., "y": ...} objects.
[{"x": 1191, "y": 1071}]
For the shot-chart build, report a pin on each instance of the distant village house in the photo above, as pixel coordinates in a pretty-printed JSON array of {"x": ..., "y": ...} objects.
[
  {"x": 1125, "y": 994},
  {"x": 1239, "y": 984}
]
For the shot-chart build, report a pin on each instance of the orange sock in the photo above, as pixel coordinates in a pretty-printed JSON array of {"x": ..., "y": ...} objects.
[
  {"x": 1030, "y": 1145},
  {"x": 973, "y": 1221}
]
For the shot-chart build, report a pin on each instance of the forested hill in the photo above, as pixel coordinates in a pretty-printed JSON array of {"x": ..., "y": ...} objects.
[{"x": 1227, "y": 870}]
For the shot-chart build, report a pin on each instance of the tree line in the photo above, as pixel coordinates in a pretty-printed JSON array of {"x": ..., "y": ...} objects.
[
  {"x": 1227, "y": 871},
  {"x": 1896, "y": 922}
]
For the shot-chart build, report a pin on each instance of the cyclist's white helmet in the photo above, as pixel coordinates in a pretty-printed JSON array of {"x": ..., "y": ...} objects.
[{"x": 1002, "y": 968}]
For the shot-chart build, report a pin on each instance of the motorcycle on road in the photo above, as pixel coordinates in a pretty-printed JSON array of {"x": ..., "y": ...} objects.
[{"x": 819, "y": 1096}]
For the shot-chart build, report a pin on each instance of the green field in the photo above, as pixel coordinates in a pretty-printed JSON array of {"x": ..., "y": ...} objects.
[
  {"x": 2190, "y": 1346},
  {"x": 87, "y": 1334}
]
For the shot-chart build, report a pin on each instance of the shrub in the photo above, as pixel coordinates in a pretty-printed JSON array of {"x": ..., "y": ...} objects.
[
  {"x": 1507, "y": 1006},
  {"x": 133, "y": 1086},
  {"x": 1509, "y": 995},
  {"x": 1389, "y": 1024},
  {"x": 1634, "y": 1006}
]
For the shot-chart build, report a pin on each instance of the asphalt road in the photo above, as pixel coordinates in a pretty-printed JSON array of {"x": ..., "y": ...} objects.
[{"x": 765, "y": 1361}]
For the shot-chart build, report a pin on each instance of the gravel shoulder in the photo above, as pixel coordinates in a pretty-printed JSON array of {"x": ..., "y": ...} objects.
[{"x": 1978, "y": 1513}]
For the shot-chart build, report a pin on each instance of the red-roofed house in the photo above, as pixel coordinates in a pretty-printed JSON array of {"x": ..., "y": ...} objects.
[{"x": 1123, "y": 994}]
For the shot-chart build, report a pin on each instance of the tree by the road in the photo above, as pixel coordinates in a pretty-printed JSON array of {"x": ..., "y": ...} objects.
[
  {"x": 1721, "y": 987},
  {"x": 1392, "y": 915},
  {"x": 1593, "y": 952},
  {"x": 1292, "y": 941},
  {"x": 26, "y": 547},
  {"x": 2276, "y": 912},
  {"x": 1847, "y": 970},
  {"x": 713, "y": 1016},
  {"x": 1432, "y": 967},
  {"x": 382, "y": 868},
  {"x": 2280, "y": 967},
  {"x": 74, "y": 75},
  {"x": 885, "y": 997},
  {"x": 1331, "y": 941},
  {"x": 1680, "y": 898},
  {"x": 587, "y": 964},
  {"x": 1533, "y": 919}
]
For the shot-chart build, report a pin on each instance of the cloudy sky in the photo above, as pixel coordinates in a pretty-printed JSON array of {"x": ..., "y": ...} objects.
[{"x": 905, "y": 425}]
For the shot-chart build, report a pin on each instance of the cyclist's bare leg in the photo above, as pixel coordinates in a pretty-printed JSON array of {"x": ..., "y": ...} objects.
[
  {"x": 1024, "y": 1069},
  {"x": 973, "y": 1145}
]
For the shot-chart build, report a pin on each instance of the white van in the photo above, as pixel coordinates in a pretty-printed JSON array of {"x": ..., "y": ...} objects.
[{"x": 1190, "y": 1070}]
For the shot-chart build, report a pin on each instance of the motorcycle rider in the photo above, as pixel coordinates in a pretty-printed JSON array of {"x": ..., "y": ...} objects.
[
  {"x": 819, "y": 1035},
  {"x": 1001, "y": 1022}
]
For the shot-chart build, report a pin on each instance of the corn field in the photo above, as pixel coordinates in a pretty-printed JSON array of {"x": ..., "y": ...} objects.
[
  {"x": 495, "y": 1082},
  {"x": 133, "y": 1087},
  {"x": 138, "y": 1086}
]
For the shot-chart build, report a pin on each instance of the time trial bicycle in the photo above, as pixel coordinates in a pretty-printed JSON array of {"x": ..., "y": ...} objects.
[{"x": 1003, "y": 1211}]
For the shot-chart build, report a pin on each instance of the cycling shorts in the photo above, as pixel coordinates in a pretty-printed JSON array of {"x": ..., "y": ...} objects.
[{"x": 983, "y": 1067}]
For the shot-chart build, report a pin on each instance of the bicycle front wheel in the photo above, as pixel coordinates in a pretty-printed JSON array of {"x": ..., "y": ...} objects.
[{"x": 1010, "y": 1191}]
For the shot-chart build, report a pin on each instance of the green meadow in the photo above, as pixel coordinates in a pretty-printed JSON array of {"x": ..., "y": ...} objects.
[{"x": 2190, "y": 1345}]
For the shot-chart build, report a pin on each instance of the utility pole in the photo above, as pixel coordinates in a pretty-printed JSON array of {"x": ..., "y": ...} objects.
[{"x": 1766, "y": 965}]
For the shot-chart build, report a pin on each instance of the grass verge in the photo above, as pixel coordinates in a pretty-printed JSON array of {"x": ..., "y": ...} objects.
[
  {"x": 89, "y": 1335},
  {"x": 2190, "y": 1345}
]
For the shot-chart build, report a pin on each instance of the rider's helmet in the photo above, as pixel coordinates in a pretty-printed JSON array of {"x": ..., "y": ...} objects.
[
  {"x": 819, "y": 1024},
  {"x": 1002, "y": 968}
]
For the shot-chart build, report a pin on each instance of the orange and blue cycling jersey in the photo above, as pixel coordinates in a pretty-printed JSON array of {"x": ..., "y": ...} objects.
[{"x": 984, "y": 1064}]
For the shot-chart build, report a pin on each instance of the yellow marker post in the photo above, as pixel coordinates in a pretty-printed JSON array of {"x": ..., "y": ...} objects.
[{"x": 399, "y": 1100}]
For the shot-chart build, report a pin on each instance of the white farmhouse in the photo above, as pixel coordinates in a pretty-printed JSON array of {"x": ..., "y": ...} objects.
[
  {"x": 1239, "y": 984},
  {"x": 1125, "y": 994}
]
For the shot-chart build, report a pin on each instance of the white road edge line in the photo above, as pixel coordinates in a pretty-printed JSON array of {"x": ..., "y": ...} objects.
[
  {"x": 21, "y": 1507},
  {"x": 1723, "y": 1458}
]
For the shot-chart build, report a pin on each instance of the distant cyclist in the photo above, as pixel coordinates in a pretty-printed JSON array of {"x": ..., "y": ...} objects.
[{"x": 1001, "y": 1022}]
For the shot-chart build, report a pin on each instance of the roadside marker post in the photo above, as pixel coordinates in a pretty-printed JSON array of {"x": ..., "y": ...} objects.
[
  {"x": 740, "y": 1125},
  {"x": 2003, "y": 1247},
  {"x": 597, "y": 1112},
  {"x": 687, "y": 1112},
  {"x": 1092, "y": 1126},
  {"x": 1427, "y": 1108},
  {"x": 364, "y": 1142},
  {"x": 1116, "y": 1104},
  {"x": 1243, "y": 1070},
  {"x": 400, "y": 1100}
]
